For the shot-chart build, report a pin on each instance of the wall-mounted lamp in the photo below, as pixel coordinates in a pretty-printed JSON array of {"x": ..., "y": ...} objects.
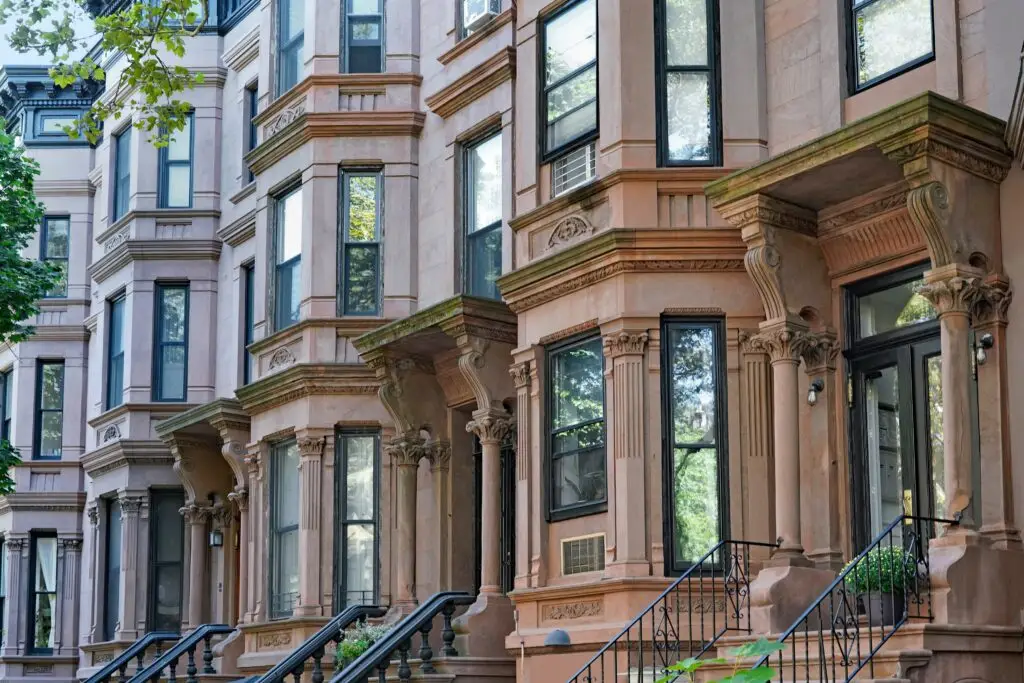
[
  {"x": 981, "y": 348},
  {"x": 557, "y": 638},
  {"x": 817, "y": 386},
  {"x": 216, "y": 538}
]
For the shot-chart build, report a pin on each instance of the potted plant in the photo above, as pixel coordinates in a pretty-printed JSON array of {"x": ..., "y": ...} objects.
[
  {"x": 357, "y": 640},
  {"x": 880, "y": 580}
]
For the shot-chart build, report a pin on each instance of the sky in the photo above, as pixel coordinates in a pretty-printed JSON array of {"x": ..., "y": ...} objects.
[{"x": 83, "y": 27}]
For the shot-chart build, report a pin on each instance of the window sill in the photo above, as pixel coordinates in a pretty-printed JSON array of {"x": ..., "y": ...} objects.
[
  {"x": 464, "y": 45},
  {"x": 247, "y": 189},
  {"x": 576, "y": 512}
]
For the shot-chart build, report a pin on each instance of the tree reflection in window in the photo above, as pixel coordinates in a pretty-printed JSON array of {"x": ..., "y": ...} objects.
[{"x": 890, "y": 36}]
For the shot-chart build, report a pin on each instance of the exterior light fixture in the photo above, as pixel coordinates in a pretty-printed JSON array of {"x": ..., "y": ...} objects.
[
  {"x": 216, "y": 538},
  {"x": 981, "y": 348},
  {"x": 557, "y": 638},
  {"x": 817, "y": 386}
]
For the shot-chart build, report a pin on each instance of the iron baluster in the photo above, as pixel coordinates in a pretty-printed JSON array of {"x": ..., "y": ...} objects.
[
  {"x": 208, "y": 656},
  {"x": 317, "y": 675},
  {"x": 426, "y": 653},
  {"x": 191, "y": 670}
]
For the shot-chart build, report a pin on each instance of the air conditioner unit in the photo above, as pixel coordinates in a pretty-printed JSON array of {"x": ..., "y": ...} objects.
[{"x": 479, "y": 13}]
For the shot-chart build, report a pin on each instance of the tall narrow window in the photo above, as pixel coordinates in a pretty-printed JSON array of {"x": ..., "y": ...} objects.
[
  {"x": 55, "y": 237},
  {"x": 112, "y": 585},
  {"x": 42, "y": 606},
  {"x": 361, "y": 258},
  {"x": 7, "y": 407},
  {"x": 252, "y": 105},
  {"x": 170, "y": 357},
  {"x": 576, "y": 428},
  {"x": 122, "y": 173},
  {"x": 49, "y": 409},
  {"x": 284, "y": 531},
  {"x": 695, "y": 432},
  {"x": 167, "y": 548},
  {"x": 688, "y": 60},
  {"x": 290, "y": 38},
  {"x": 3, "y": 583},
  {"x": 569, "y": 94},
  {"x": 358, "y": 462},
  {"x": 889, "y": 37},
  {"x": 176, "y": 169},
  {"x": 483, "y": 217},
  {"x": 364, "y": 36},
  {"x": 249, "y": 333},
  {"x": 115, "y": 354},
  {"x": 287, "y": 259}
]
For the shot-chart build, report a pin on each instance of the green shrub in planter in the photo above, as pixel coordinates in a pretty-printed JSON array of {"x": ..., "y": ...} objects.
[
  {"x": 882, "y": 570},
  {"x": 358, "y": 640}
]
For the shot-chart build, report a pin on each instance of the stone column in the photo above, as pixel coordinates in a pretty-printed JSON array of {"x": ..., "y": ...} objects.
[
  {"x": 311, "y": 451},
  {"x": 257, "y": 585},
  {"x": 93, "y": 513},
  {"x": 627, "y": 421},
  {"x": 131, "y": 507},
  {"x": 524, "y": 539},
  {"x": 490, "y": 426},
  {"x": 16, "y": 590},
  {"x": 405, "y": 452},
  {"x": 439, "y": 455},
  {"x": 998, "y": 524},
  {"x": 240, "y": 497},
  {"x": 69, "y": 558},
  {"x": 196, "y": 518}
]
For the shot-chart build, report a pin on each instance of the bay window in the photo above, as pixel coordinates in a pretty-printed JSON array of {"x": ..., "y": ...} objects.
[
  {"x": 287, "y": 258},
  {"x": 284, "y": 529},
  {"x": 55, "y": 237},
  {"x": 483, "y": 183},
  {"x": 569, "y": 78},
  {"x": 362, "y": 209},
  {"x": 358, "y": 462},
  {"x": 291, "y": 17},
  {"x": 364, "y": 36},
  {"x": 49, "y": 422}
]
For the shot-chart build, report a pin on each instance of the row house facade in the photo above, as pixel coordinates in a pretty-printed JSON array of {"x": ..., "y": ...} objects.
[{"x": 534, "y": 299}]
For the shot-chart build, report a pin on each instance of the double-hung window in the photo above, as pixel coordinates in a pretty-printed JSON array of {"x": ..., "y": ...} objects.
[
  {"x": 287, "y": 259},
  {"x": 42, "y": 608},
  {"x": 252, "y": 105},
  {"x": 176, "y": 168},
  {"x": 361, "y": 243},
  {"x": 889, "y": 37},
  {"x": 284, "y": 530},
  {"x": 55, "y": 237},
  {"x": 115, "y": 353},
  {"x": 358, "y": 462},
  {"x": 687, "y": 82},
  {"x": 122, "y": 173},
  {"x": 483, "y": 183},
  {"x": 167, "y": 548},
  {"x": 364, "y": 36},
  {"x": 695, "y": 456},
  {"x": 569, "y": 80},
  {"x": 249, "y": 322},
  {"x": 576, "y": 429},
  {"x": 290, "y": 38},
  {"x": 170, "y": 357},
  {"x": 6, "y": 404},
  {"x": 112, "y": 584},
  {"x": 49, "y": 410}
]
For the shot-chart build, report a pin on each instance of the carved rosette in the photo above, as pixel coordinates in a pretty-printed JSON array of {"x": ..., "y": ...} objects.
[
  {"x": 281, "y": 358},
  {"x": 570, "y": 229},
  {"x": 406, "y": 451},
  {"x": 992, "y": 304},
  {"x": 820, "y": 351},
  {"x": 956, "y": 295},
  {"x": 783, "y": 344},
  {"x": 625, "y": 344},
  {"x": 490, "y": 428}
]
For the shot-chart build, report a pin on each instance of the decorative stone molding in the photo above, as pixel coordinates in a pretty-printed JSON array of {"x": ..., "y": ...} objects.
[
  {"x": 782, "y": 344},
  {"x": 275, "y": 640},
  {"x": 130, "y": 505},
  {"x": 281, "y": 358},
  {"x": 439, "y": 454},
  {"x": 284, "y": 118},
  {"x": 765, "y": 211},
  {"x": 240, "y": 497},
  {"x": 311, "y": 447},
  {"x": 475, "y": 83},
  {"x": 406, "y": 451},
  {"x": 954, "y": 294},
  {"x": 625, "y": 344},
  {"x": 589, "y": 325},
  {"x": 244, "y": 51},
  {"x": 520, "y": 373},
  {"x": 71, "y": 545},
  {"x": 929, "y": 209},
  {"x": 490, "y": 428},
  {"x": 572, "y": 610},
  {"x": 864, "y": 212},
  {"x": 196, "y": 514},
  {"x": 820, "y": 350},
  {"x": 993, "y": 303},
  {"x": 989, "y": 169},
  {"x": 110, "y": 433},
  {"x": 570, "y": 229},
  {"x": 93, "y": 511},
  {"x": 116, "y": 240}
]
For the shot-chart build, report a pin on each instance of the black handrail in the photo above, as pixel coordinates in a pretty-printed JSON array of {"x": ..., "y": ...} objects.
[
  {"x": 660, "y": 635},
  {"x": 184, "y": 647},
  {"x": 137, "y": 650},
  {"x": 399, "y": 639},
  {"x": 833, "y": 624},
  {"x": 315, "y": 646}
]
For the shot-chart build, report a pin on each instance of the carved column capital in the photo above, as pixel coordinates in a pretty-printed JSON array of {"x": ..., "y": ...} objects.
[
  {"x": 196, "y": 514},
  {"x": 94, "y": 513},
  {"x": 71, "y": 545},
  {"x": 439, "y": 453},
  {"x": 520, "y": 373},
  {"x": 490, "y": 427},
  {"x": 131, "y": 506},
  {"x": 993, "y": 303},
  {"x": 311, "y": 446},
  {"x": 820, "y": 351},
  {"x": 953, "y": 295},
  {"x": 625, "y": 344},
  {"x": 406, "y": 451},
  {"x": 15, "y": 545},
  {"x": 222, "y": 515},
  {"x": 240, "y": 497},
  {"x": 783, "y": 344}
]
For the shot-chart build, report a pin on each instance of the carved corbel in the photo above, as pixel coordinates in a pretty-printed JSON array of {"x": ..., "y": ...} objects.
[
  {"x": 234, "y": 453},
  {"x": 929, "y": 210},
  {"x": 473, "y": 366}
]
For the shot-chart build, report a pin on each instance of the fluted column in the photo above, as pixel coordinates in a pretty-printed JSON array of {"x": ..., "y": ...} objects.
[
  {"x": 520, "y": 373},
  {"x": 240, "y": 497},
  {"x": 490, "y": 426},
  {"x": 626, "y": 351},
  {"x": 405, "y": 453},
  {"x": 131, "y": 507},
  {"x": 16, "y": 590},
  {"x": 254, "y": 551},
  {"x": 93, "y": 513},
  {"x": 69, "y": 558},
  {"x": 196, "y": 518},
  {"x": 311, "y": 451}
]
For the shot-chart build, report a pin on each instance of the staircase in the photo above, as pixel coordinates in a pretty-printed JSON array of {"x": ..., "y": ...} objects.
[{"x": 165, "y": 663}]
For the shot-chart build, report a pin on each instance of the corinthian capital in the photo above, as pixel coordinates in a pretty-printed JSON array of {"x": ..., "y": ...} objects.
[
  {"x": 520, "y": 373},
  {"x": 490, "y": 428},
  {"x": 406, "y": 451},
  {"x": 954, "y": 294},
  {"x": 625, "y": 344},
  {"x": 439, "y": 454},
  {"x": 311, "y": 446},
  {"x": 992, "y": 303},
  {"x": 820, "y": 350},
  {"x": 782, "y": 343}
]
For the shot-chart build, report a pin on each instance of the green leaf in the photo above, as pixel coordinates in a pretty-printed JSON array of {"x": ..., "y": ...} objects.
[
  {"x": 759, "y": 648},
  {"x": 762, "y": 674}
]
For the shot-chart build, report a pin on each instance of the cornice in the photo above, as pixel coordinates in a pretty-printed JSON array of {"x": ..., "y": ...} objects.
[
  {"x": 468, "y": 43},
  {"x": 64, "y": 188},
  {"x": 212, "y": 78},
  {"x": 239, "y": 230},
  {"x": 1015, "y": 122},
  {"x": 158, "y": 411},
  {"x": 344, "y": 327},
  {"x": 247, "y": 189},
  {"x": 175, "y": 214},
  {"x": 475, "y": 83},
  {"x": 244, "y": 51},
  {"x": 43, "y": 501},
  {"x": 226, "y": 410},
  {"x": 124, "y": 453},
  {"x": 305, "y": 380},
  {"x": 70, "y": 333},
  {"x": 153, "y": 250}
]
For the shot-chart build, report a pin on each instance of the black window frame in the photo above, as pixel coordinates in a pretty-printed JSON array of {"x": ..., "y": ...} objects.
[
  {"x": 276, "y": 532},
  {"x": 283, "y": 48},
  {"x": 347, "y": 17},
  {"x": 155, "y": 565},
  {"x": 252, "y": 104},
  {"x": 44, "y": 242},
  {"x": 165, "y": 164},
  {"x": 114, "y": 399},
  {"x": 543, "y": 153},
  {"x": 341, "y": 516},
  {"x": 550, "y": 352},
  {"x": 345, "y": 245},
  {"x": 276, "y": 268},
  {"x": 110, "y": 621},
  {"x": 41, "y": 365},
  {"x": 854, "y": 87},
  {"x": 6, "y": 403},
  {"x": 468, "y": 204},
  {"x": 158, "y": 344},
  {"x": 122, "y": 176},
  {"x": 33, "y": 594},
  {"x": 675, "y": 566},
  {"x": 248, "y": 320},
  {"x": 713, "y": 69},
  {"x": 853, "y": 292}
]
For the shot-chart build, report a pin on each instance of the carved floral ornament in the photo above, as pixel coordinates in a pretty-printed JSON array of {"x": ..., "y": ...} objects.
[
  {"x": 284, "y": 118},
  {"x": 281, "y": 358},
  {"x": 312, "y": 446},
  {"x": 490, "y": 428},
  {"x": 570, "y": 229},
  {"x": 110, "y": 433},
  {"x": 625, "y": 344},
  {"x": 781, "y": 344},
  {"x": 520, "y": 373}
]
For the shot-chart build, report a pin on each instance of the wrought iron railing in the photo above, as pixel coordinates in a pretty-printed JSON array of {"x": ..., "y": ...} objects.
[
  {"x": 166, "y": 665},
  {"x": 314, "y": 648},
  {"x": 395, "y": 647},
  {"x": 117, "y": 668},
  {"x": 839, "y": 635},
  {"x": 710, "y": 599}
]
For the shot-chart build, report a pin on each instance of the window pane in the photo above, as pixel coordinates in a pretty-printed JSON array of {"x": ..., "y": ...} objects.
[
  {"x": 288, "y": 294},
  {"x": 45, "y": 587},
  {"x": 50, "y": 437},
  {"x": 365, "y": 59},
  {"x": 42, "y": 638},
  {"x": 292, "y": 19},
  {"x": 572, "y": 126},
  {"x": 485, "y": 179},
  {"x": 116, "y": 326},
  {"x": 894, "y": 308},
  {"x": 570, "y": 41},
  {"x": 891, "y": 33},
  {"x": 583, "y": 438},
  {"x": 180, "y": 146},
  {"x": 179, "y": 186},
  {"x": 361, "y": 286},
  {"x": 289, "y": 228},
  {"x": 61, "y": 286},
  {"x": 579, "y": 478},
  {"x": 573, "y": 93},
  {"x": 485, "y": 263},
  {"x": 169, "y": 527},
  {"x": 52, "y": 390},
  {"x": 172, "y": 372},
  {"x": 692, "y": 368},
  {"x": 578, "y": 384},
  {"x": 686, "y": 31},
  {"x": 689, "y": 116},
  {"x": 167, "y": 602},
  {"x": 360, "y": 456},
  {"x": 285, "y": 584},
  {"x": 936, "y": 438},
  {"x": 695, "y": 502},
  {"x": 173, "y": 303},
  {"x": 286, "y": 486},
  {"x": 362, "y": 209},
  {"x": 290, "y": 66},
  {"x": 360, "y": 559},
  {"x": 364, "y": 6},
  {"x": 56, "y": 124},
  {"x": 57, "y": 233},
  {"x": 112, "y": 588},
  {"x": 364, "y": 30}
]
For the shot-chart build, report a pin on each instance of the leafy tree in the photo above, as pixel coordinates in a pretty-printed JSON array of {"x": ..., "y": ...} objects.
[
  {"x": 149, "y": 35},
  {"x": 22, "y": 281}
]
